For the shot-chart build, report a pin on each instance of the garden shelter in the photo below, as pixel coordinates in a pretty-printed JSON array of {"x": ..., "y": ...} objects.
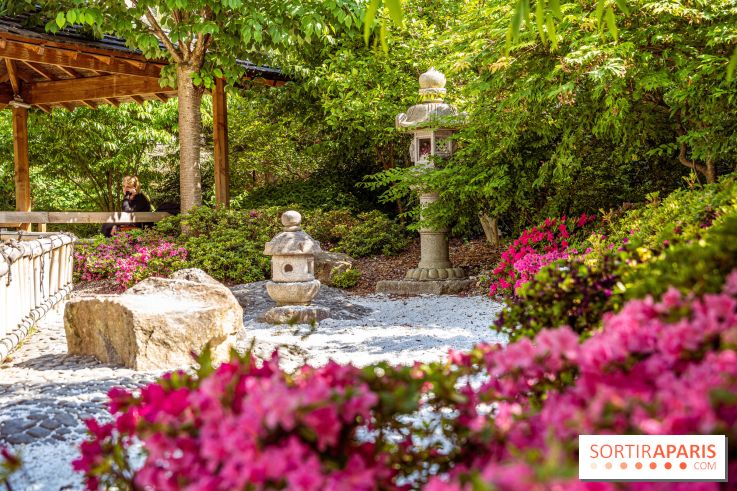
[{"x": 69, "y": 69}]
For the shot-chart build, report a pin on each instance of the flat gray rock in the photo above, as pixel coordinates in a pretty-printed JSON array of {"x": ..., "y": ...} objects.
[{"x": 256, "y": 302}]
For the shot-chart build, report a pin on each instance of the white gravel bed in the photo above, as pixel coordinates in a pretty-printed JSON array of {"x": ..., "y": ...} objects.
[{"x": 400, "y": 330}]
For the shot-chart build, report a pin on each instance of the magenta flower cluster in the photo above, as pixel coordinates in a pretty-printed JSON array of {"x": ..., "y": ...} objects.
[
  {"x": 246, "y": 427},
  {"x": 128, "y": 257},
  {"x": 148, "y": 261},
  {"x": 533, "y": 249}
]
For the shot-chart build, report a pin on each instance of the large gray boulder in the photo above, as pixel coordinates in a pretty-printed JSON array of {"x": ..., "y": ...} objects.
[
  {"x": 328, "y": 264},
  {"x": 157, "y": 323}
]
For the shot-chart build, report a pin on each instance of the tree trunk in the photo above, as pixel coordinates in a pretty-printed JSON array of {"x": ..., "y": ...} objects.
[
  {"x": 491, "y": 229},
  {"x": 711, "y": 172},
  {"x": 110, "y": 205},
  {"x": 190, "y": 130}
]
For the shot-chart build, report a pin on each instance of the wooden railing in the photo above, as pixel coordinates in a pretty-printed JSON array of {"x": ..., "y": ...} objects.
[
  {"x": 16, "y": 219},
  {"x": 35, "y": 274}
]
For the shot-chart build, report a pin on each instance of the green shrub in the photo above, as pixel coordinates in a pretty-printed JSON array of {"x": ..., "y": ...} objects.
[
  {"x": 328, "y": 227},
  {"x": 576, "y": 295},
  {"x": 314, "y": 193},
  {"x": 227, "y": 256},
  {"x": 346, "y": 279},
  {"x": 227, "y": 244},
  {"x": 687, "y": 240},
  {"x": 375, "y": 233}
]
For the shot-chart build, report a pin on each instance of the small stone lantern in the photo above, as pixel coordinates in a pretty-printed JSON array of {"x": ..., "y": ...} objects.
[
  {"x": 432, "y": 123},
  {"x": 293, "y": 285}
]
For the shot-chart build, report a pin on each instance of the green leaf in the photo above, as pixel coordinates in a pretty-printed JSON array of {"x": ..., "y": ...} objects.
[
  {"x": 368, "y": 20},
  {"x": 555, "y": 8},
  {"x": 71, "y": 16},
  {"x": 732, "y": 65},
  {"x": 552, "y": 34},
  {"x": 611, "y": 23},
  {"x": 539, "y": 19},
  {"x": 622, "y": 4},
  {"x": 382, "y": 38},
  {"x": 517, "y": 16},
  {"x": 61, "y": 20},
  {"x": 395, "y": 10},
  {"x": 599, "y": 13}
]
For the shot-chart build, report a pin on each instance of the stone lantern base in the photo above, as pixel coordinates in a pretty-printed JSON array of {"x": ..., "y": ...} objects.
[
  {"x": 415, "y": 287},
  {"x": 295, "y": 314}
]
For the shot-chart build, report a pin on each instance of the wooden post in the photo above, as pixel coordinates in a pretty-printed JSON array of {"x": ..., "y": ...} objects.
[
  {"x": 20, "y": 158},
  {"x": 220, "y": 135}
]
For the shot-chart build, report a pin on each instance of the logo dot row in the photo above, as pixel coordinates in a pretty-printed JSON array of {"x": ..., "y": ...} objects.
[{"x": 638, "y": 465}]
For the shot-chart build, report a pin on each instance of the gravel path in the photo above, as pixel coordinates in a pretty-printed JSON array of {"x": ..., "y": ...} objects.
[{"x": 46, "y": 394}]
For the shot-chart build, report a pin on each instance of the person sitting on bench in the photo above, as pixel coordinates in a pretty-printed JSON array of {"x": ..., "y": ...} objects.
[{"x": 133, "y": 201}]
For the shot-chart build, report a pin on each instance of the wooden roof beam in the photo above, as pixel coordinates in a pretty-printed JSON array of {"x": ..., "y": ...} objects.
[
  {"x": 90, "y": 88},
  {"x": 90, "y": 104},
  {"x": 112, "y": 101},
  {"x": 12, "y": 75},
  {"x": 162, "y": 97},
  {"x": 24, "y": 51},
  {"x": 45, "y": 109},
  {"x": 138, "y": 99}
]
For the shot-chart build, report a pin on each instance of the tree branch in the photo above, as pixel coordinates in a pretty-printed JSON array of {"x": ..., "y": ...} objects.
[
  {"x": 159, "y": 33},
  {"x": 689, "y": 163}
]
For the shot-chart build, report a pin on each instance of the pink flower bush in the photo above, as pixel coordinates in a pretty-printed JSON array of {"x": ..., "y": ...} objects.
[
  {"x": 509, "y": 416},
  {"x": 128, "y": 257},
  {"x": 243, "y": 426},
  {"x": 535, "y": 248},
  {"x": 655, "y": 368}
]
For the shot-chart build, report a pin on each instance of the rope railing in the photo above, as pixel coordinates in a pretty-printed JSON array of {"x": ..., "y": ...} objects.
[{"x": 35, "y": 274}]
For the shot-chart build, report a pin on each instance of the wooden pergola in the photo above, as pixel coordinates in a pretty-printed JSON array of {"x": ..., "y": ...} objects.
[{"x": 68, "y": 70}]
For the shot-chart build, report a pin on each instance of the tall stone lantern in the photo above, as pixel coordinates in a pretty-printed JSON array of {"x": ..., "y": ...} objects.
[
  {"x": 432, "y": 123},
  {"x": 293, "y": 285}
]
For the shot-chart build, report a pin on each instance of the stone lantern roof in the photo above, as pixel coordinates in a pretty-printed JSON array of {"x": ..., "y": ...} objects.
[
  {"x": 293, "y": 240},
  {"x": 432, "y": 112}
]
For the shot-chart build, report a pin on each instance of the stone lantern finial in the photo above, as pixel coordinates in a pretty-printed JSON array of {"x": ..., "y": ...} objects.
[{"x": 432, "y": 85}]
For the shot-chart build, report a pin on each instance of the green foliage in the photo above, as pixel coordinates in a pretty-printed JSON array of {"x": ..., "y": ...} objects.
[
  {"x": 329, "y": 227},
  {"x": 346, "y": 279},
  {"x": 687, "y": 240},
  {"x": 207, "y": 36},
  {"x": 698, "y": 266},
  {"x": 374, "y": 233},
  {"x": 314, "y": 192},
  {"x": 593, "y": 124},
  {"x": 78, "y": 158},
  {"x": 227, "y": 244},
  {"x": 574, "y": 294}
]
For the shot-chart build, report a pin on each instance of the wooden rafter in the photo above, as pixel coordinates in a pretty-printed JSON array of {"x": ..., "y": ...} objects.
[
  {"x": 112, "y": 101},
  {"x": 45, "y": 109},
  {"x": 138, "y": 99},
  {"x": 90, "y": 104},
  {"x": 69, "y": 71},
  {"x": 40, "y": 70},
  {"x": 12, "y": 75},
  {"x": 18, "y": 50},
  {"x": 162, "y": 97},
  {"x": 89, "y": 88}
]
